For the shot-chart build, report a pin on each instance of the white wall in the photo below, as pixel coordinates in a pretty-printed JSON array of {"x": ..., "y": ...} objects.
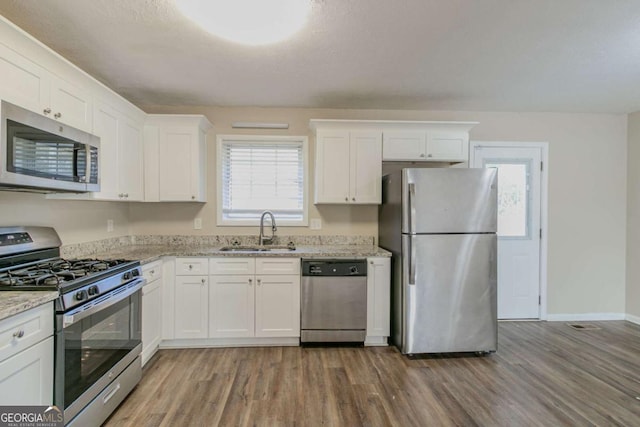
[
  {"x": 633, "y": 218},
  {"x": 75, "y": 221},
  {"x": 587, "y": 192}
]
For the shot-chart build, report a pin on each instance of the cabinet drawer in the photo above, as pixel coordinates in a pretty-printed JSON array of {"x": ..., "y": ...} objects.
[
  {"x": 192, "y": 266},
  {"x": 232, "y": 265},
  {"x": 152, "y": 271},
  {"x": 25, "y": 329},
  {"x": 277, "y": 265}
]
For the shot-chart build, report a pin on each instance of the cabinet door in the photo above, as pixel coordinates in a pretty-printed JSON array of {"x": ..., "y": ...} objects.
[
  {"x": 366, "y": 167},
  {"x": 404, "y": 145},
  {"x": 106, "y": 123},
  {"x": 130, "y": 170},
  {"x": 191, "y": 306},
  {"x": 23, "y": 82},
  {"x": 378, "y": 297},
  {"x": 71, "y": 104},
  {"x": 151, "y": 319},
  {"x": 332, "y": 167},
  {"x": 178, "y": 160},
  {"x": 232, "y": 302},
  {"x": 27, "y": 377},
  {"x": 448, "y": 146},
  {"x": 278, "y": 306}
]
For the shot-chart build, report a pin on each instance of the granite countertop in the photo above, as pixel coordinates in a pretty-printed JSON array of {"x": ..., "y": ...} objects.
[
  {"x": 150, "y": 253},
  {"x": 14, "y": 302}
]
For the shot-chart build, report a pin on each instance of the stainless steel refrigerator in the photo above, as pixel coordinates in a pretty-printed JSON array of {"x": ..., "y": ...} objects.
[{"x": 440, "y": 224}]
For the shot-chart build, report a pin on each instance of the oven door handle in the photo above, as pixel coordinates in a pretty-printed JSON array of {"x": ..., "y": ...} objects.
[{"x": 77, "y": 315}]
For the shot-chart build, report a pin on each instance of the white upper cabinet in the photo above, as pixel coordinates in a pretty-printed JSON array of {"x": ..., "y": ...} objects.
[
  {"x": 175, "y": 148},
  {"x": 121, "y": 163},
  {"x": 23, "y": 82},
  {"x": 348, "y": 166},
  {"x": 31, "y": 86},
  {"x": 427, "y": 141},
  {"x": 402, "y": 145}
]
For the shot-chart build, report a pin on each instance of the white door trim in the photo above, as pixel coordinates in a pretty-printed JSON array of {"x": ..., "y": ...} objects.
[{"x": 544, "y": 191}]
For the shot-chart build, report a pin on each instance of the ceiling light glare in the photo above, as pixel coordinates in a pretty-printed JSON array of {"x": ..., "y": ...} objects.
[{"x": 251, "y": 22}]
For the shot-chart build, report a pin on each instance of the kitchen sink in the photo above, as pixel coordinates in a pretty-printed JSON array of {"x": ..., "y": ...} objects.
[
  {"x": 244, "y": 249},
  {"x": 257, "y": 248}
]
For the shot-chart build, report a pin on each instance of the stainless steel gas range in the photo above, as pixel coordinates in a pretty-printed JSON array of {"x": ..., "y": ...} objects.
[{"x": 98, "y": 320}]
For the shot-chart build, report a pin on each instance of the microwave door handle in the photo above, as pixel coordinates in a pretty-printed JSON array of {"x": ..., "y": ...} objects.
[{"x": 77, "y": 315}]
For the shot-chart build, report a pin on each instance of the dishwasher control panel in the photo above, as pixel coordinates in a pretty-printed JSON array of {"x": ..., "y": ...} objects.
[{"x": 336, "y": 267}]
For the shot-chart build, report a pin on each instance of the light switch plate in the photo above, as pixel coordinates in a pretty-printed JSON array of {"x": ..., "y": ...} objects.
[
  {"x": 109, "y": 225},
  {"x": 316, "y": 223},
  {"x": 197, "y": 224}
]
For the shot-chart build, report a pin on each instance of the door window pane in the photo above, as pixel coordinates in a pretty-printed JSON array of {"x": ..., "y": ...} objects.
[{"x": 513, "y": 198}]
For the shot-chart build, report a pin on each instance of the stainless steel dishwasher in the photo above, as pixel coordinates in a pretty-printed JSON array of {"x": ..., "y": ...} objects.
[{"x": 334, "y": 301}]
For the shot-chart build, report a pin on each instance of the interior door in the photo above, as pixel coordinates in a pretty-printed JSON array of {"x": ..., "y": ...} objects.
[{"x": 519, "y": 232}]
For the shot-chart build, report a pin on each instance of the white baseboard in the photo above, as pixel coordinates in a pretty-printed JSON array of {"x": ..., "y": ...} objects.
[
  {"x": 633, "y": 319},
  {"x": 230, "y": 342},
  {"x": 375, "y": 341},
  {"x": 582, "y": 317}
]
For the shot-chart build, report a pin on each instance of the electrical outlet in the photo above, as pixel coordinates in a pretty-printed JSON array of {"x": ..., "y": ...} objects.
[
  {"x": 109, "y": 225},
  {"x": 197, "y": 224},
  {"x": 316, "y": 223}
]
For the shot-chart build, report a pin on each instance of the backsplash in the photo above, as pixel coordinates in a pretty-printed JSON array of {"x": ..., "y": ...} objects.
[{"x": 80, "y": 250}]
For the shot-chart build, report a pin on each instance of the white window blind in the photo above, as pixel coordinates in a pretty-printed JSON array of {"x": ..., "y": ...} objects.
[{"x": 262, "y": 175}]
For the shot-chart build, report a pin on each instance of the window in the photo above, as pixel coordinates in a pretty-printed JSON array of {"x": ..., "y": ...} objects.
[
  {"x": 258, "y": 173},
  {"x": 513, "y": 197}
]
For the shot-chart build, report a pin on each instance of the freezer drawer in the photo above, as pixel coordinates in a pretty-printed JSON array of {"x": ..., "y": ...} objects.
[{"x": 448, "y": 294}]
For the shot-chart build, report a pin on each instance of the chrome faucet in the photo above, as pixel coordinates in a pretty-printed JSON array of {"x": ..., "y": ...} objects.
[{"x": 262, "y": 239}]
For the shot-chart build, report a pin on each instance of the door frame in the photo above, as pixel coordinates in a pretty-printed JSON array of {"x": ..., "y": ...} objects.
[{"x": 544, "y": 192}]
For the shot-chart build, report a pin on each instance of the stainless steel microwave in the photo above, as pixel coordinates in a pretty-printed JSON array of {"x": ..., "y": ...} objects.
[{"x": 42, "y": 155}]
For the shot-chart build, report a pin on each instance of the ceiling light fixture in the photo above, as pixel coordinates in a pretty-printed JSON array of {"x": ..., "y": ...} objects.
[
  {"x": 259, "y": 125},
  {"x": 251, "y": 22}
]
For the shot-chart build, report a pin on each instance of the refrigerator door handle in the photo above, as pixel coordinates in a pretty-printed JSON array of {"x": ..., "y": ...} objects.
[
  {"x": 412, "y": 262},
  {"x": 412, "y": 208}
]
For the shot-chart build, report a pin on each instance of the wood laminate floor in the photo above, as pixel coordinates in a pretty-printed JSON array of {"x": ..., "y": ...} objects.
[{"x": 544, "y": 374}]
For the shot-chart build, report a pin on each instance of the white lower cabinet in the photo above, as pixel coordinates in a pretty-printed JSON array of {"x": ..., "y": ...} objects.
[
  {"x": 151, "y": 310},
  {"x": 191, "y": 306},
  {"x": 231, "y": 306},
  {"x": 254, "y": 305},
  {"x": 277, "y": 306},
  {"x": 26, "y": 357},
  {"x": 378, "y": 300}
]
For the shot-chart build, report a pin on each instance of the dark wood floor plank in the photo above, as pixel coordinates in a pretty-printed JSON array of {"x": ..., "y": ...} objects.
[{"x": 544, "y": 373}]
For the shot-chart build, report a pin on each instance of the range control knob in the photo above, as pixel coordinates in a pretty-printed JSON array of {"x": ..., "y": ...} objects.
[
  {"x": 135, "y": 273},
  {"x": 353, "y": 269},
  {"x": 81, "y": 295},
  {"x": 93, "y": 290},
  {"x": 127, "y": 275}
]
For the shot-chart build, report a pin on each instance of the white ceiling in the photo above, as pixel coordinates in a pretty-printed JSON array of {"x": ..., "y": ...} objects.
[{"x": 485, "y": 55}]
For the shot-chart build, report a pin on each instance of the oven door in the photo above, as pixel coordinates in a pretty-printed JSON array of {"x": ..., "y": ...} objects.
[{"x": 94, "y": 344}]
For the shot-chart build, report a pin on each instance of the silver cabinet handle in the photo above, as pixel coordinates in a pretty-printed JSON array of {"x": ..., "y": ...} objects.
[
  {"x": 203, "y": 280},
  {"x": 346, "y": 199},
  {"x": 259, "y": 282},
  {"x": 193, "y": 197},
  {"x": 429, "y": 155},
  {"x": 190, "y": 267},
  {"x": 57, "y": 115},
  {"x": 421, "y": 154},
  {"x": 354, "y": 199},
  {"x": 152, "y": 272},
  {"x": 18, "y": 334},
  {"x": 250, "y": 282},
  {"x": 47, "y": 111}
]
